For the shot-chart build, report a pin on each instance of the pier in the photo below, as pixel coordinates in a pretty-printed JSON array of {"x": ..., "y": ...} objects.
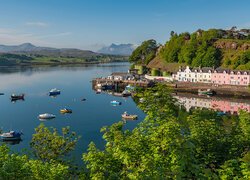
[{"x": 99, "y": 82}]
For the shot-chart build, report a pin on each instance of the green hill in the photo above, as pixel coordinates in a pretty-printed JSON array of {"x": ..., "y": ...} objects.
[{"x": 206, "y": 48}]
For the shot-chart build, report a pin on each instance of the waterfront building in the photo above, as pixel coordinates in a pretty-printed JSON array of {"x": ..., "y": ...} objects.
[
  {"x": 209, "y": 75},
  {"x": 120, "y": 76},
  {"x": 231, "y": 77},
  {"x": 194, "y": 75}
]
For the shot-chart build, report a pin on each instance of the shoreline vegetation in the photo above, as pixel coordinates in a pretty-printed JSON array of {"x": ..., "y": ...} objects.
[
  {"x": 10, "y": 59},
  {"x": 203, "y": 48}
]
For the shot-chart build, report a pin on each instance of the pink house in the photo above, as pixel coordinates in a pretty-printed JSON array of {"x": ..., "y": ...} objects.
[
  {"x": 231, "y": 77},
  {"x": 240, "y": 78},
  {"x": 220, "y": 76}
]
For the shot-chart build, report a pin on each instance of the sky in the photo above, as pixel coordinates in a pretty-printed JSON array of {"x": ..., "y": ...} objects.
[{"x": 92, "y": 24}]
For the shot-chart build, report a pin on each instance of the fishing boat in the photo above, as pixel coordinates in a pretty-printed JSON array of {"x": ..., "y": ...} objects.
[
  {"x": 11, "y": 136},
  {"x": 17, "y": 97},
  {"x": 125, "y": 116},
  {"x": 46, "y": 116},
  {"x": 54, "y": 92},
  {"x": 129, "y": 88},
  {"x": 65, "y": 111},
  {"x": 114, "y": 102},
  {"x": 126, "y": 93},
  {"x": 207, "y": 92}
]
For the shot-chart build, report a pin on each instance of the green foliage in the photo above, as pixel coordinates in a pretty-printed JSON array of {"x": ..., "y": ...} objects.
[
  {"x": 195, "y": 49},
  {"x": 47, "y": 144},
  {"x": 144, "y": 53},
  {"x": 171, "y": 144},
  {"x": 14, "y": 166}
]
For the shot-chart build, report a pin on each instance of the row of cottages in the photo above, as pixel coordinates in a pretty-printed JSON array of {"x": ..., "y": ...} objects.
[
  {"x": 202, "y": 75},
  {"x": 231, "y": 77},
  {"x": 217, "y": 76}
]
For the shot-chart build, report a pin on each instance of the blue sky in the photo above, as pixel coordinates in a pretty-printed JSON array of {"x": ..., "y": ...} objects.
[{"x": 91, "y": 24}]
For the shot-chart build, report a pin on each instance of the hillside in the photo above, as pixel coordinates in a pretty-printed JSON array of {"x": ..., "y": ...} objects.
[
  {"x": 210, "y": 48},
  {"x": 28, "y": 54}
]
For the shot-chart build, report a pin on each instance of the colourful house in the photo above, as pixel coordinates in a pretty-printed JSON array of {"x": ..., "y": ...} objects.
[
  {"x": 188, "y": 74},
  {"x": 231, "y": 77},
  {"x": 209, "y": 75}
]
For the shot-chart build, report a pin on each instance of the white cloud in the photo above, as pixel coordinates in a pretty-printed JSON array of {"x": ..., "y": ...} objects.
[{"x": 37, "y": 24}]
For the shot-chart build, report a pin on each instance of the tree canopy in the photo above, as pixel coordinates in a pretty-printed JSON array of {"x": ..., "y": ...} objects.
[{"x": 144, "y": 53}]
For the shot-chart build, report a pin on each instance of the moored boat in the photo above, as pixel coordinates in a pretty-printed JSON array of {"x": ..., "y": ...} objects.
[
  {"x": 114, "y": 102},
  {"x": 54, "y": 92},
  {"x": 126, "y": 93},
  {"x": 125, "y": 116},
  {"x": 46, "y": 116},
  {"x": 65, "y": 111},
  {"x": 17, "y": 96},
  {"x": 11, "y": 136},
  {"x": 207, "y": 92}
]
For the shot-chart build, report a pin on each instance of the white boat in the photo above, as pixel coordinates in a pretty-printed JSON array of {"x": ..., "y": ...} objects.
[
  {"x": 54, "y": 92},
  {"x": 125, "y": 115},
  {"x": 46, "y": 116},
  {"x": 114, "y": 102},
  {"x": 126, "y": 93},
  {"x": 11, "y": 136}
]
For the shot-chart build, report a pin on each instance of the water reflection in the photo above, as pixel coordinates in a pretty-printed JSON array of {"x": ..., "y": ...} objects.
[
  {"x": 13, "y": 142},
  {"x": 226, "y": 105}
]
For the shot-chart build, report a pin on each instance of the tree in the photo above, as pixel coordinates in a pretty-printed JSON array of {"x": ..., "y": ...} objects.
[
  {"x": 144, "y": 53},
  {"x": 47, "y": 144}
]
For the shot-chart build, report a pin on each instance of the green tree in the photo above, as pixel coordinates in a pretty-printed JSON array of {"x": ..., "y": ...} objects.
[
  {"x": 144, "y": 53},
  {"x": 47, "y": 144}
]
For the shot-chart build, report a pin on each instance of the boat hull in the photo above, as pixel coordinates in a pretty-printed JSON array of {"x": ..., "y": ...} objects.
[
  {"x": 65, "y": 111},
  {"x": 54, "y": 93},
  {"x": 131, "y": 117},
  {"x": 46, "y": 116}
]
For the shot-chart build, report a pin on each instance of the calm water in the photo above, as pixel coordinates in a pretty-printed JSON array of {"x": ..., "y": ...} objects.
[{"x": 74, "y": 82}]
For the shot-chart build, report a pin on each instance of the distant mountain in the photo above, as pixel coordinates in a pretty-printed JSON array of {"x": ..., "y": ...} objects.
[
  {"x": 26, "y": 47},
  {"x": 121, "y": 49},
  {"x": 45, "y": 51}
]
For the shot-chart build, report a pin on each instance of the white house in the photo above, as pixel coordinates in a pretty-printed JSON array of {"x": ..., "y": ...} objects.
[
  {"x": 120, "y": 76},
  {"x": 203, "y": 75}
]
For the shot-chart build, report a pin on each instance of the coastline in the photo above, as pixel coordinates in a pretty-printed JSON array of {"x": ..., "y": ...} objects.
[{"x": 59, "y": 63}]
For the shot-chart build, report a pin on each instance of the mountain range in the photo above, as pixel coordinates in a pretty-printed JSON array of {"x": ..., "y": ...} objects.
[
  {"x": 121, "y": 49},
  {"x": 46, "y": 51}
]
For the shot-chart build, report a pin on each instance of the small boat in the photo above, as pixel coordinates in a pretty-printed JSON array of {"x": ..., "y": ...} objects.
[
  {"x": 126, "y": 93},
  {"x": 46, "y": 116},
  {"x": 98, "y": 91},
  {"x": 125, "y": 115},
  {"x": 1, "y": 94},
  {"x": 221, "y": 113},
  {"x": 66, "y": 111},
  {"x": 11, "y": 136},
  {"x": 207, "y": 92},
  {"x": 114, "y": 102},
  {"x": 141, "y": 100},
  {"x": 107, "y": 87},
  {"x": 54, "y": 92},
  {"x": 17, "y": 97},
  {"x": 129, "y": 88}
]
